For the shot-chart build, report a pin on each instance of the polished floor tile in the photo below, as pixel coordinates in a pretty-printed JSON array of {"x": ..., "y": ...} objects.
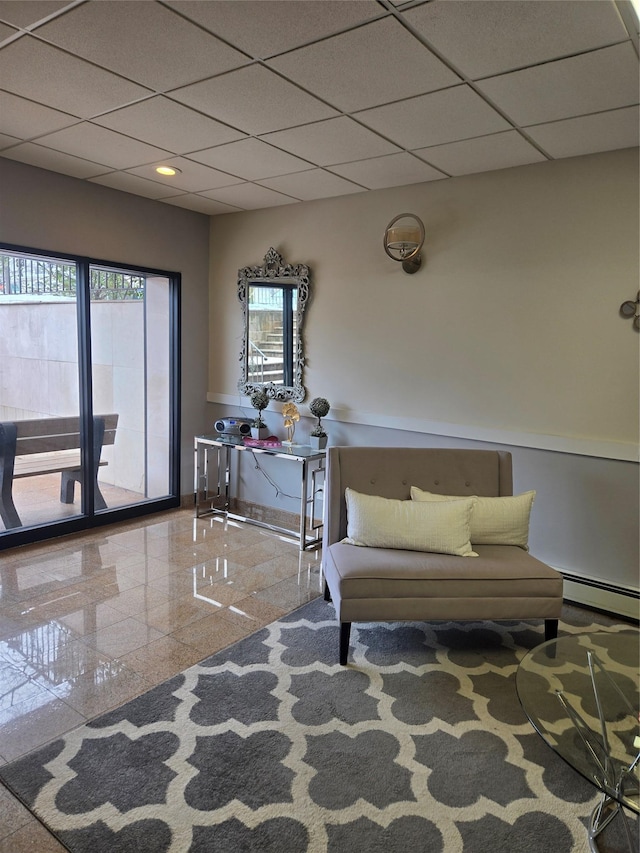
[
  {"x": 89, "y": 621},
  {"x": 30, "y": 838}
]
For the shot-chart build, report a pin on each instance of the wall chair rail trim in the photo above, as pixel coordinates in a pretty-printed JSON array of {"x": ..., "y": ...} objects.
[{"x": 624, "y": 451}]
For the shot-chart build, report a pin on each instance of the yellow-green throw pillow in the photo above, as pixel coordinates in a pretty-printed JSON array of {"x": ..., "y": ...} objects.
[
  {"x": 378, "y": 522},
  {"x": 494, "y": 521}
]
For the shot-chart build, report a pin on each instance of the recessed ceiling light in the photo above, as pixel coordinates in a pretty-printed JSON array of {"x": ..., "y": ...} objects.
[{"x": 167, "y": 170}]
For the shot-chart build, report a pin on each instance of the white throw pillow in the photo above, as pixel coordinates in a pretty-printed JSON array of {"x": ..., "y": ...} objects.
[
  {"x": 494, "y": 521},
  {"x": 378, "y": 522}
]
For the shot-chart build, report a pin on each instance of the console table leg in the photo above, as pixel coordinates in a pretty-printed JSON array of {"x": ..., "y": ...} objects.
[{"x": 303, "y": 506}]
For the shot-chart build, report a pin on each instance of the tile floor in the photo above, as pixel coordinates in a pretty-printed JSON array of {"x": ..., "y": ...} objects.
[{"x": 91, "y": 620}]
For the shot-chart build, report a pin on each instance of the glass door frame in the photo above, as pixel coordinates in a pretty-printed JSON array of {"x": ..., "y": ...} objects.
[{"x": 88, "y": 518}]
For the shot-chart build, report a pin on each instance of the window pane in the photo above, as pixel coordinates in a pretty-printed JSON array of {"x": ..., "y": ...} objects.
[
  {"x": 39, "y": 400},
  {"x": 131, "y": 382}
]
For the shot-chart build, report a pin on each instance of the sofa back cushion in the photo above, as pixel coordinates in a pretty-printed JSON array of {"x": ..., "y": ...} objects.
[
  {"x": 391, "y": 471},
  {"x": 494, "y": 521}
]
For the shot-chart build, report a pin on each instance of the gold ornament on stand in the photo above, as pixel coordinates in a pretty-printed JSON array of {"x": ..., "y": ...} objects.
[{"x": 291, "y": 416}]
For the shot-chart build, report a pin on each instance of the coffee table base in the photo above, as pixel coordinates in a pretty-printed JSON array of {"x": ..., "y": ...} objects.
[
  {"x": 599, "y": 700},
  {"x": 606, "y": 810}
]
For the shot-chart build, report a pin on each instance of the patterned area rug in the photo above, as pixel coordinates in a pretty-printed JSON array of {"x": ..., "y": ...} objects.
[{"x": 418, "y": 745}]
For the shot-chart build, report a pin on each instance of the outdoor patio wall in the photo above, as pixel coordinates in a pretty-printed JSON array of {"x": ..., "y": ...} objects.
[
  {"x": 39, "y": 374},
  {"x": 509, "y": 336},
  {"x": 46, "y": 211}
]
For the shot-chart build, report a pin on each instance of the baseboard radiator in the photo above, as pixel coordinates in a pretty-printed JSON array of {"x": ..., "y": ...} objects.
[{"x": 601, "y": 595}]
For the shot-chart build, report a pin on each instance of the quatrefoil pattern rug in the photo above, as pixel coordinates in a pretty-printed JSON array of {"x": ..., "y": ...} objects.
[{"x": 418, "y": 745}]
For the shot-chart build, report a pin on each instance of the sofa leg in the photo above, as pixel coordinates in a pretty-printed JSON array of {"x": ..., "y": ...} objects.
[
  {"x": 550, "y": 629},
  {"x": 345, "y": 632},
  {"x": 327, "y": 594}
]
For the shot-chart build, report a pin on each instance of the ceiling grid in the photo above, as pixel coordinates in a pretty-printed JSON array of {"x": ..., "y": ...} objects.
[{"x": 264, "y": 103}]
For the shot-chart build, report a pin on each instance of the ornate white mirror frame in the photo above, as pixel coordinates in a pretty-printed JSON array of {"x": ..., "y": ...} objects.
[{"x": 278, "y": 372}]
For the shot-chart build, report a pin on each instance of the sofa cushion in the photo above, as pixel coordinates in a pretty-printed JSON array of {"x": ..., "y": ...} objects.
[
  {"x": 380, "y": 584},
  {"x": 378, "y": 522},
  {"x": 494, "y": 521}
]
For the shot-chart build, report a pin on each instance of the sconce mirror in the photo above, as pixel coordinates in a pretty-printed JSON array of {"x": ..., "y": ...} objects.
[
  {"x": 273, "y": 298},
  {"x": 403, "y": 240}
]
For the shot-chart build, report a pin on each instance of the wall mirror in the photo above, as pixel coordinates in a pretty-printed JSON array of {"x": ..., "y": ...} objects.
[{"x": 273, "y": 298}]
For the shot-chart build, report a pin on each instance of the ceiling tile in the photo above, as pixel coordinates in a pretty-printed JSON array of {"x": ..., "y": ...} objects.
[
  {"x": 266, "y": 29},
  {"x": 109, "y": 32},
  {"x": 200, "y": 204},
  {"x": 589, "y": 134},
  {"x": 49, "y": 76},
  {"x": 192, "y": 177},
  {"x": 250, "y": 159},
  {"x": 313, "y": 184},
  {"x": 254, "y": 100},
  {"x": 394, "y": 170},
  {"x": 128, "y": 183},
  {"x": 27, "y": 119},
  {"x": 386, "y": 63},
  {"x": 26, "y": 14},
  {"x": 6, "y": 141},
  {"x": 6, "y": 32},
  {"x": 432, "y": 119},
  {"x": 482, "y": 154},
  {"x": 600, "y": 80},
  {"x": 173, "y": 126},
  {"x": 490, "y": 36},
  {"x": 90, "y": 141},
  {"x": 55, "y": 161},
  {"x": 250, "y": 196},
  {"x": 336, "y": 140}
]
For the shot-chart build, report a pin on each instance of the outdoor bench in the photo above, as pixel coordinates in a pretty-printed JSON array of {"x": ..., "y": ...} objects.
[{"x": 48, "y": 446}]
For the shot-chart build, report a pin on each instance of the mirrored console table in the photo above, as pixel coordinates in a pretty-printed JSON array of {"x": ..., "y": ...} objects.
[{"x": 214, "y": 458}]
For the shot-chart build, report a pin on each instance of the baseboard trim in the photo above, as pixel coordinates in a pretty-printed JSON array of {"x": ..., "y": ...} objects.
[{"x": 267, "y": 514}]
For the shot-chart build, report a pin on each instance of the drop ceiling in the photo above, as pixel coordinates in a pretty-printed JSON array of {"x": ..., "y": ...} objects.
[{"x": 260, "y": 103}]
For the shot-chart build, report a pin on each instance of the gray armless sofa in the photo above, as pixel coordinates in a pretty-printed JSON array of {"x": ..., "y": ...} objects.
[{"x": 370, "y": 584}]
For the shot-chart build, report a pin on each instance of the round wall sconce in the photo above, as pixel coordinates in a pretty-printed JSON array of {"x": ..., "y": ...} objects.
[
  {"x": 632, "y": 309},
  {"x": 403, "y": 240}
]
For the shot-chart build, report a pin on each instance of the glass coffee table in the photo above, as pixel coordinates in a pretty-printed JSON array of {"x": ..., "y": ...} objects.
[{"x": 581, "y": 695}]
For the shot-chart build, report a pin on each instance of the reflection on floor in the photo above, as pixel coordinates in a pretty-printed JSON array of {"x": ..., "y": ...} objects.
[{"x": 92, "y": 620}]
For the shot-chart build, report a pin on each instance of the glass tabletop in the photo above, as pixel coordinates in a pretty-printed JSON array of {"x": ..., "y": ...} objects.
[
  {"x": 581, "y": 694},
  {"x": 294, "y": 451}
]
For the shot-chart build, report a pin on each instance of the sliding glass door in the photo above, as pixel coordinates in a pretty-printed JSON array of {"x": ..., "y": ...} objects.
[
  {"x": 131, "y": 380},
  {"x": 88, "y": 393}
]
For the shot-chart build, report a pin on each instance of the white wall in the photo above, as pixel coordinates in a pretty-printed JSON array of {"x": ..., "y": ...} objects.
[
  {"x": 46, "y": 211},
  {"x": 509, "y": 334}
]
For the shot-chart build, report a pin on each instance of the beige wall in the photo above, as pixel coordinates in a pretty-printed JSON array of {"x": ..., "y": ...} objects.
[
  {"x": 509, "y": 335},
  {"x": 512, "y": 323},
  {"x": 46, "y": 211}
]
